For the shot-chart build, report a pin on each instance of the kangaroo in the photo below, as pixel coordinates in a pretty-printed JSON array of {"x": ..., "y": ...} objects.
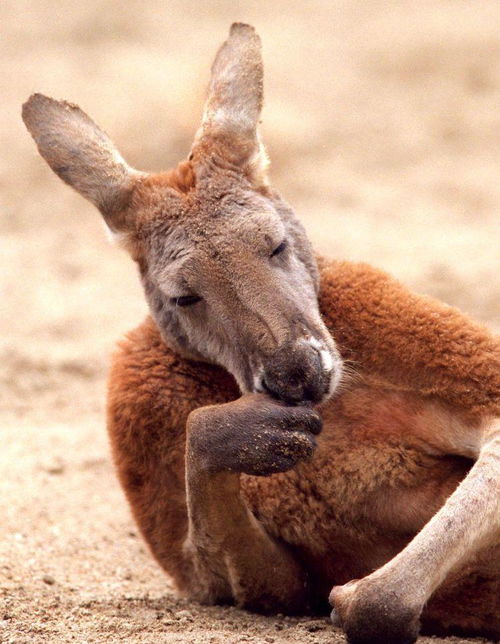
[{"x": 216, "y": 401}]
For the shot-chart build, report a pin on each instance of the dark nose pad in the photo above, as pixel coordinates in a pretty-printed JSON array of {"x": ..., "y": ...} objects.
[{"x": 294, "y": 374}]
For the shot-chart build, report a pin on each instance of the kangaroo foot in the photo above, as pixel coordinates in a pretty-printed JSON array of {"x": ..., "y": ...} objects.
[{"x": 370, "y": 612}]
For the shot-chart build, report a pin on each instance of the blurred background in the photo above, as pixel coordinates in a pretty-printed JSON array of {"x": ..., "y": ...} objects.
[{"x": 382, "y": 123}]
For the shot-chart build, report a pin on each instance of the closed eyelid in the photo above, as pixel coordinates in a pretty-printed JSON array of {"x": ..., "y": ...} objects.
[
  {"x": 280, "y": 248},
  {"x": 186, "y": 300}
]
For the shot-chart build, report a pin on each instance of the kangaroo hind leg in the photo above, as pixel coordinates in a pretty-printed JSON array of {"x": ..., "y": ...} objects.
[{"x": 386, "y": 605}]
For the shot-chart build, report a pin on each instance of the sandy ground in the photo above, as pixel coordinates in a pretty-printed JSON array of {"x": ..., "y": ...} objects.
[{"x": 382, "y": 123}]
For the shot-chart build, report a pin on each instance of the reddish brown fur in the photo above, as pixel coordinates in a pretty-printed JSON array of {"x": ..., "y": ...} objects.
[
  {"x": 421, "y": 344},
  {"x": 400, "y": 489},
  {"x": 377, "y": 475},
  {"x": 182, "y": 178}
]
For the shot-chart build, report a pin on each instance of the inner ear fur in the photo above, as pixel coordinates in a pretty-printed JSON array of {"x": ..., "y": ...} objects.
[{"x": 83, "y": 156}]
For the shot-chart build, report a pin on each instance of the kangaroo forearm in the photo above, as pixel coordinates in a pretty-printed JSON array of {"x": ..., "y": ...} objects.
[
  {"x": 231, "y": 551},
  {"x": 413, "y": 341}
]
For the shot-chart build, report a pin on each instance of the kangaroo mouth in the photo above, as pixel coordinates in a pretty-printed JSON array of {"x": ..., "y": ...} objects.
[{"x": 306, "y": 373}]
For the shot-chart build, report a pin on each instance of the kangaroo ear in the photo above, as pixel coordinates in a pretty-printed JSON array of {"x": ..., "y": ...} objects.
[
  {"x": 234, "y": 102},
  {"x": 82, "y": 155}
]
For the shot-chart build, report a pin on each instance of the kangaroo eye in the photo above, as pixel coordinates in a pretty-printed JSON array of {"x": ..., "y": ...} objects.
[
  {"x": 279, "y": 249},
  {"x": 185, "y": 300}
]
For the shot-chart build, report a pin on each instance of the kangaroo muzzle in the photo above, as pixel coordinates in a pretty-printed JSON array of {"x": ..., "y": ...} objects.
[{"x": 301, "y": 372}]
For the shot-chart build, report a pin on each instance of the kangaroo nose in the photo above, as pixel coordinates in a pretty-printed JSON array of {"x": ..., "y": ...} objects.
[{"x": 294, "y": 375}]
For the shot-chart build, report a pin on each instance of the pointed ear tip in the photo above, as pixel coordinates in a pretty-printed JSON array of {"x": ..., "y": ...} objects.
[
  {"x": 29, "y": 105},
  {"x": 244, "y": 29},
  {"x": 41, "y": 101},
  {"x": 40, "y": 110},
  {"x": 240, "y": 26},
  {"x": 35, "y": 104},
  {"x": 38, "y": 99}
]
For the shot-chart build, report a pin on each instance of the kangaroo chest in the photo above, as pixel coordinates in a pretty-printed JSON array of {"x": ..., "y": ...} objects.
[{"x": 369, "y": 488}]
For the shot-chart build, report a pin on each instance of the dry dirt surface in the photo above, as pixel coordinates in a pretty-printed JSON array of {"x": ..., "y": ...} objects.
[{"x": 382, "y": 123}]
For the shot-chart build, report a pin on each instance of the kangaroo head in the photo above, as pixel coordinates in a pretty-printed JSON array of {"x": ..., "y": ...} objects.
[{"x": 227, "y": 269}]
